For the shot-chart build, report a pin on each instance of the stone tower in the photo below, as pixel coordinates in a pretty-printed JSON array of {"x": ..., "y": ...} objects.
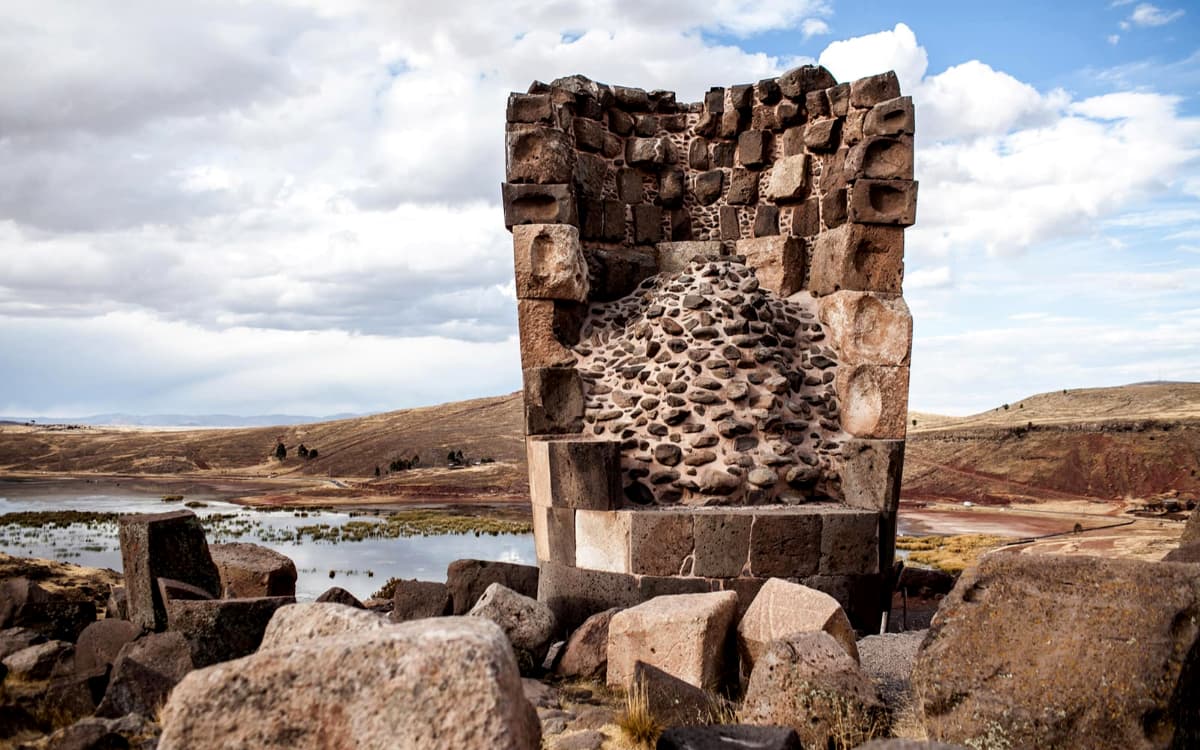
[{"x": 714, "y": 343}]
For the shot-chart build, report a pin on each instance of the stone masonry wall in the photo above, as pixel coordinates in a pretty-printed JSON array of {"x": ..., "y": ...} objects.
[{"x": 710, "y": 317}]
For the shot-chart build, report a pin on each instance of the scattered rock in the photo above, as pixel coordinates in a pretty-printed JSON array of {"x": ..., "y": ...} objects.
[
  {"x": 729, "y": 737},
  {"x": 528, "y": 623},
  {"x": 361, "y": 690},
  {"x": 468, "y": 579},
  {"x": 781, "y": 609},
  {"x": 223, "y": 629},
  {"x": 144, "y": 673},
  {"x": 586, "y": 654},
  {"x": 414, "y": 600},
  {"x": 24, "y": 604},
  {"x": 306, "y": 621},
  {"x": 13, "y": 640},
  {"x": 101, "y": 642},
  {"x": 339, "y": 595},
  {"x": 809, "y": 682},
  {"x": 40, "y": 662},
  {"x": 251, "y": 570}
]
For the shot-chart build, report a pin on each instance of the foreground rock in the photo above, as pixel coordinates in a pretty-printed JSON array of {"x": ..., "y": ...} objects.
[
  {"x": 450, "y": 682},
  {"x": 163, "y": 545},
  {"x": 809, "y": 682},
  {"x": 782, "y": 609},
  {"x": 466, "y": 581},
  {"x": 251, "y": 570},
  {"x": 1050, "y": 651},
  {"x": 683, "y": 635},
  {"x": 1189, "y": 544},
  {"x": 529, "y": 624}
]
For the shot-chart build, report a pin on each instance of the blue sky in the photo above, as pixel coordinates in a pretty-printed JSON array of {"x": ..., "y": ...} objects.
[{"x": 291, "y": 206}]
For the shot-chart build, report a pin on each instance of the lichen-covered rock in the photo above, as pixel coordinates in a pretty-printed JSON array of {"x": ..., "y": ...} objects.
[
  {"x": 24, "y": 604},
  {"x": 809, "y": 682},
  {"x": 1056, "y": 651},
  {"x": 144, "y": 673},
  {"x": 306, "y": 621},
  {"x": 528, "y": 623},
  {"x": 447, "y": 682},
  {"x": 252, "y": 570}
]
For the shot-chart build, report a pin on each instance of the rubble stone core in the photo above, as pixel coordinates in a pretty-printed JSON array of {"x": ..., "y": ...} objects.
[{"x": 713, "y": 337}]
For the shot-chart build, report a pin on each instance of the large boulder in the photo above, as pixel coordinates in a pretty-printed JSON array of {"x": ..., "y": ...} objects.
[
  {"x": 24, "y": 604},
  {"x": 223, "y": 629},
  {"x": 468, "y": 579},
  {"x": 306, "y": 621},
  {"x": 1057, "y": 651},
  {"x": 781, "y": 609},
  {"x": 416, "y": 600},
  {"x": 163, "y": 545},
  {"x": 449, "y": 682},
  {"x": 529, "y": 624},
  {"x": 585, "y": 654},
  {"x": 809, "y": 683},
  {"x": 251, "y": 570},
  {"x": 685, "y": 635},
  {"x": 144, "y": 673},
  {"x": 40, "y": 662}
]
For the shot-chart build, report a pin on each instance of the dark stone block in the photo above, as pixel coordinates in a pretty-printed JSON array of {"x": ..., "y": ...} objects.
[
  {"x": 223, "y": 629},
  {"x": 743, "y": 187},
  {"x": 723, "y": 153},
  {"x": 164, "y": 545},
  {"x": 707, "y": 186},
  {"x": 754, "y": 148},
  {"x": 629, "y": 185},
  {"x": 415, "y": 600},
  {"x": 339, "y": 595},
  {"x": 529, "y": 108},
  {"x": 590, "y": 173},
  {"x": 730, "y": 227},
  {"x": 589, "y": 134},
  {"x": 144, "y": 673},
  {"x": 553, "y": 401},
  {"x": 24, "y": 604},
  {"x": 722, "y": 544},
  {"x": 538, "y": 204},
  {"x": 785, "y": 545},
  {"x": 614, "y": 273},
  {"x": 647, "y": 224},
  {"x": 468, "y": 579},
  {"x": 766, "y": 220}
]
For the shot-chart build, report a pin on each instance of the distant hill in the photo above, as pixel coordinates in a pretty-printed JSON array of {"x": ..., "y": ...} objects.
[
  {"x": 1097, "y": 443},
  {"x": 177, "y": 420}
]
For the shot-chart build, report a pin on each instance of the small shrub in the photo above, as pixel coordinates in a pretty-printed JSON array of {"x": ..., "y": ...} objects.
[{"x": 636, "y": 721}]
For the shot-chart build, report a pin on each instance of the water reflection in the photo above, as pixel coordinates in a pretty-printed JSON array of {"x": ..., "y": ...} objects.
[{"x": 360, "y": 567}]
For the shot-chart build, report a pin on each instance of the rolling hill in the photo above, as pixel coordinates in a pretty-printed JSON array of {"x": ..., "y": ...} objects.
[{"x": 1133, "y": 441}]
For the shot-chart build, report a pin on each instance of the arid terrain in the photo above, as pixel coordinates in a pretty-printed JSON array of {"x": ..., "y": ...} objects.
[{"x": 1104, "y": 448}]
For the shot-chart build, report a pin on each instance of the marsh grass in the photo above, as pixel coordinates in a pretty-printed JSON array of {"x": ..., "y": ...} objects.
[
  {"x": 636, "y": 720},
  {"x": 953, "y": 554}
]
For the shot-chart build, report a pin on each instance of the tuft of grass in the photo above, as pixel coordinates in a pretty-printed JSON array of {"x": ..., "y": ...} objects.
[
  {"x": 635, "y": 719},
  {"x": 172, "y": 498},
  {"x": 953, "y": 554}
]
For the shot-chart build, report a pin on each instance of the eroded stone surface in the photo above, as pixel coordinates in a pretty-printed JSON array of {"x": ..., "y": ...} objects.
[{"x": 683, "y": 635}]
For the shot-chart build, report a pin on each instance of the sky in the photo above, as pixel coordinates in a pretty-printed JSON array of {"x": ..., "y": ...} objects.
[{"x": 293, "y": 207}]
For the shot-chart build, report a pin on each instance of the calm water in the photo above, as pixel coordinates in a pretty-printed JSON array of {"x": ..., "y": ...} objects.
[{"x": 360, "y": 567}]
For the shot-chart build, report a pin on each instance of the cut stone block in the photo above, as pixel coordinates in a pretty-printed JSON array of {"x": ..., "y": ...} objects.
[
  {"x": 647, "y": 224},
  {"x": 869, "y": 91},
  {"x": 591, "y": 171},
  {"x": 252, "y": 570},
  {"x": 754, "y": 148},
  {"x": 893, "y": 117},
  {"x": 823, "y": 135},
  {"x": 785, "y": 544},
  {"x": 416, "y": 600},
  {"x": 673, "y": 257},
  {"x": 730, "y": 227},
  {"x": 538, "y": 204},
  {"x": 1058, "y": 651},
  {"x": 863, "y": 597},
  {"x": 589, "y": 134},
  {"x": 698, "y": 154},
  {"x": 797, "y": 82},
  {"x": 602, "y": 540},
  {"x": 554, "y": 534},
  {"x": 529, "y": 108},
  {"x": 881, "y": 158},
  {"x": 649, "y": 153},
  {"x": 867, "y": 328},
  {"x": 884, "y": 202},
  {"x": 58, "y": 615},
  {"x": 223, "y": 629},
  {"x": 574, "y": 473},
  {"x": 683, "y": 635},
  {"x": 468, "y": 579},
  {"x": 839, "y": 99},
  {"x": 307, "y": 621},
  {"x": 782, "y": 609},
  {"x": 743, "y": 187},
  {"x": 144, "y": 673},
  {"x": 543, "y": 156},
  {"x": 545, "y": 326},
  {"x": 722, "y": 544},
  {"x": 549, "y": 262},
  {"x": 789, "y": 179},
  {"x": 615, "y": 273},
  {"x": 553, "y": 400},
  {"x": 778, "y": 262},
  {"x": 630, "y": 186},
  {"x": 163, "y": 545},
  {"x": 871, "y": 473},
  {"x": 766, "y": 220},
  {"x": 660, "y": 542},
  {"x": 874, "y": 400},
  {"x": 707, "y": 186},
  {"x": 850, "y": 543},
  {"x": 859, "y": 258},
  {"x": 576, "y": 593}
]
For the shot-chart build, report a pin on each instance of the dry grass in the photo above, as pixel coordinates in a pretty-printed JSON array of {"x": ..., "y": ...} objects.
[
  {"x": 953, "y": 554},
  {"x": 636, "y": 720}
]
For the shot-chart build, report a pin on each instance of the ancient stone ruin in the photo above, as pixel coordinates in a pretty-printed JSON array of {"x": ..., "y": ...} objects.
[{"x": 714, "y": 343}]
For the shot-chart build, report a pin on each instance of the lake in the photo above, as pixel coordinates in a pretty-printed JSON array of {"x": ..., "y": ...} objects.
[{"x": 361, "y": 566}]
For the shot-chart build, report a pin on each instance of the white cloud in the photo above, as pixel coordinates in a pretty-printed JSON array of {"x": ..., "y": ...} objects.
[
  {"x": 929, "y": 278},
  {"x": 878, "y": 53},
  {"x": 1113, "y": 38},
  {"x": 813, "y": 27},
  {"x": 1146, "y": 14}
]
